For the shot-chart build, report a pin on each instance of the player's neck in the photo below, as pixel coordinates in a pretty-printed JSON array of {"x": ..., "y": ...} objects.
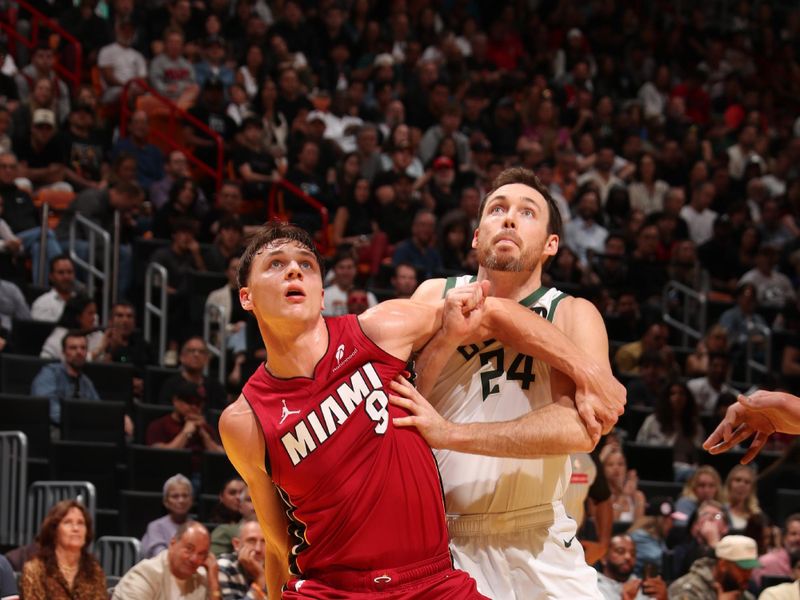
[
  {"x": 294, "y": 348},
  {"x": 512, "y": 285}
]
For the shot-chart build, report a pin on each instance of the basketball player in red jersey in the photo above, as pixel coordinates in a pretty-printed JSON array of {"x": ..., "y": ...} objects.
[{"x": 349, "y": 504}]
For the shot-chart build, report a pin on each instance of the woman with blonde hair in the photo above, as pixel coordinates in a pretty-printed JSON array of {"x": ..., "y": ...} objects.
[
  {"x": 64, "y": 568},
  {"x": 704, "y": 484},
  {"x": 740, "y": 491},
  {"x": 627, "y": 501}
]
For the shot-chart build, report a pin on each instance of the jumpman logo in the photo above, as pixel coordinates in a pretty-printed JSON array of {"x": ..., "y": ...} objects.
[{"x": 286, "y": 413}]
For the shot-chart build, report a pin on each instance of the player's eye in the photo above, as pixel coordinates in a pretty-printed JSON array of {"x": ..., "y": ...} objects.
[
  {"x": 276, "y": 264},
  {"x": 305, "y": 264},
  {"x": 527, "y": 212},
  {"x": 497, "y": 210}
]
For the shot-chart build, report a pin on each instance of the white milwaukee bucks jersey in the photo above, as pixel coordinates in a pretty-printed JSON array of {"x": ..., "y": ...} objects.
[{"x": 487, "y": 382}]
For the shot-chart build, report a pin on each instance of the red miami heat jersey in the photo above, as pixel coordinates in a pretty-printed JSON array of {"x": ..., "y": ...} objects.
[{"x": 360, "y": 494}]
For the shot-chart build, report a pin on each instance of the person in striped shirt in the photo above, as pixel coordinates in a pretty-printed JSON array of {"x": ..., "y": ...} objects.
[{"x": 241, "y": 573}]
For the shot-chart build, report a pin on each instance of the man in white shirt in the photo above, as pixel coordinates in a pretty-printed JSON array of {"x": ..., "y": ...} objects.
[
  {"x": 173, "y": 573},
  {"x": 617, "y": 582},
  {"x": 50, "y": 305},
  {"x": 742, "y": 151},
  {"x": 773, "y": 289},
  {"x": 698, "y": 214},
  {"x": 119, "y": 62},
  {"x": 583, "y": 233},
  {"x": 602, "y": 175},
  {"x": 344, "y": 275},
  {"x": 706, "y": 390}
]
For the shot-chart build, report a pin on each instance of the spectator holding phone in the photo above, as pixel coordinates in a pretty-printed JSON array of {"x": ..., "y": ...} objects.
[{"x": 617, "y": 581}]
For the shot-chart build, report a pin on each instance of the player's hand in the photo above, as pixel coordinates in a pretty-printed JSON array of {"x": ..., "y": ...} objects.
[
  {"x": 433, "y": 427},
  {"x": 463, "y": 310},
  {"x": 654, "y": 587},
  {"x": 600, "y": 401},
  {"x": 760, "y": 414},
  {"x": 630, "y": 588}
]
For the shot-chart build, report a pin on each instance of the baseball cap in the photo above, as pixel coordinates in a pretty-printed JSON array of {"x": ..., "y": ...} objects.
[
  {"x": 662, "y": 506},
  {"x": 189, "y": 393},
  {"x": 44, "y": 116},
  {"x": 443, "y": 162},
  {"x": 315, "y": 115},
  {"x": 384, "y": 60},
  {"x": 738, "y": 549}
]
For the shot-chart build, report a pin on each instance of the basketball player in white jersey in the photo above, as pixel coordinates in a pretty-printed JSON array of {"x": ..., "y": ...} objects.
[{"x": 506, "y": 422}]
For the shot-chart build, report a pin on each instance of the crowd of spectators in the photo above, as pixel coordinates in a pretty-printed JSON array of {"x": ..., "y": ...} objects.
[{"x": 668, "y": 135}]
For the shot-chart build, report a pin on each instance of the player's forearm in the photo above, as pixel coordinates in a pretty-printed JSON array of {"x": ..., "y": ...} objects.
[
  {"x": 528, "y": 333},
  {"x": 431, "y": 361},
  {"x": 551, "y": 430}
]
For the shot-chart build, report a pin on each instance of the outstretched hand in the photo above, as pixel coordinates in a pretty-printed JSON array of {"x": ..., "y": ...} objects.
[
  {"x": 759, "y": 415},
  {"x": 433, "y": 427}
]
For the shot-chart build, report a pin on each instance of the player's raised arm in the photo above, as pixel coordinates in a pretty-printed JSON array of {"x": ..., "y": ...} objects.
[{"x": 244, "y": 445}]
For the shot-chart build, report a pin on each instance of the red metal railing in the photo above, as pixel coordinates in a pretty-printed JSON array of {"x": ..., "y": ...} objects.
[
  {"x": 324, "y": 242},
  {"x": 40, "y": 22},
  {"x": 168, "y": 137}
]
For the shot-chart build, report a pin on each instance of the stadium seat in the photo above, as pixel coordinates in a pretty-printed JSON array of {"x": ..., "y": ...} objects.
[
  {"x": 205, "y": 504},
  {"x": 18, "y": 372},
  {"x": 149, "y": 468},
  {"x": 724, "y": 462},
  {"x": 202, "y": 284},
  {"x": 634, "y": 417},
  {"x": 154, "y": 378},
  {"x": 28, "y": 414},
  {"x": 144, "y": 414},
  {"x": 88, "y": 421},
  {"x": 652, "y": 462},
  {"x": 89, "y": 461},
  {"x": 113, "y": 381},
  {"x": 28, "y": 335},
  {"x": 137, "y": 509},
  {"x": 216, "y": 469},
  {"x": 653, "y": 489},
  {"x": 787, "y": 502}
]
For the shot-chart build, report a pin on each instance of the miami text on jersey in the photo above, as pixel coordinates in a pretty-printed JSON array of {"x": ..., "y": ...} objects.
[{"x": 334, "y": 410}]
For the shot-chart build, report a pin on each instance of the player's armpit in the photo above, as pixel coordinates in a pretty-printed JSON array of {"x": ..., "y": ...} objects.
[{"x": 244, "y": 445}]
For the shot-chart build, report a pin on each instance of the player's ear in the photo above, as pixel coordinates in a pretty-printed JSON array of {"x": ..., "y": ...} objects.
[
  {"x": 323, "y": 300},
  {"x": 245, "y": 298},
  {"x": 551, "y": 245},
  {"x": 475, "y": 238}
]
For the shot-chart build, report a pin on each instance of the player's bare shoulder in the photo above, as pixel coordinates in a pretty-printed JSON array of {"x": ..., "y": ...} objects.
[
  {"x": 571, "y": 311},
  {"x": 429, "y": 291},
  {"x": 240, "y": 431}
]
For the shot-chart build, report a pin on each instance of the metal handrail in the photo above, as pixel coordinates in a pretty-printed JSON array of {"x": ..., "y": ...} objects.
[
  {"x": 272, "y": 212},
  {"x": 215, "y": 314},
  {"x": 754, "y": 331},
  {"x": 41, "y": 272},
  {"x": 103, "y": 274},
  {"x": 14, "y": 479},
  {"x": 156, "y": 275},
  {"x": 39, "y": 18},
  {"x": 42, "y": 495},
  {"x": 682, "y": 324},
  {"x": 167, "y": 137}
]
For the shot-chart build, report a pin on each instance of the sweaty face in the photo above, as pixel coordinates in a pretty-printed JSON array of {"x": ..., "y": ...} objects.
[{"x": 512, "y": 235}]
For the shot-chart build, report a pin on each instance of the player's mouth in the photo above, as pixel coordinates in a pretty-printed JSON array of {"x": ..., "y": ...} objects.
[
  {"x": 295, "y": 294},
  {"x": 505, "y": 239}
]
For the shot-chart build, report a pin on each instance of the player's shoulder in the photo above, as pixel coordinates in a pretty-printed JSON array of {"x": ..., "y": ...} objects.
[
  {"x": 237, "y": 419},
  {"x": 430, "y": 290}
]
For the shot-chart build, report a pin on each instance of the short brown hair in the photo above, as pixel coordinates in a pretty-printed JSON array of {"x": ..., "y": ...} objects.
[
  {"x": 527, "y": 177},
  {"x": 274, "y": 232}
]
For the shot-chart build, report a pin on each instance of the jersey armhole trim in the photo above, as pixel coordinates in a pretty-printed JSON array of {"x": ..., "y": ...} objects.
[
  {"x": 267, "y": 461},
  {"x": 449, "y": 284},
  {"x": 552, "y": 312}
]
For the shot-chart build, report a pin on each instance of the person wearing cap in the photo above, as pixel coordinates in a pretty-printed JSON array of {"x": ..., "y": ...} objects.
[
  {"x": 722, "y": 576},
  {"x": 650, "y": 532},
  {"x": 213, "y": 63},
  {"x": 252, "y": 160},
  {"x": 185, "y": 427},
  {"x": 120, "y": 62},
  {"x": 171, "y": 74},
  {"x": 41, "y": 156},
  {"x": 617, "y": 581},
  {"x": 86, "y": 155},
  {"x": 439, "y": 187},
  {"x": 211, "y": 111}
]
